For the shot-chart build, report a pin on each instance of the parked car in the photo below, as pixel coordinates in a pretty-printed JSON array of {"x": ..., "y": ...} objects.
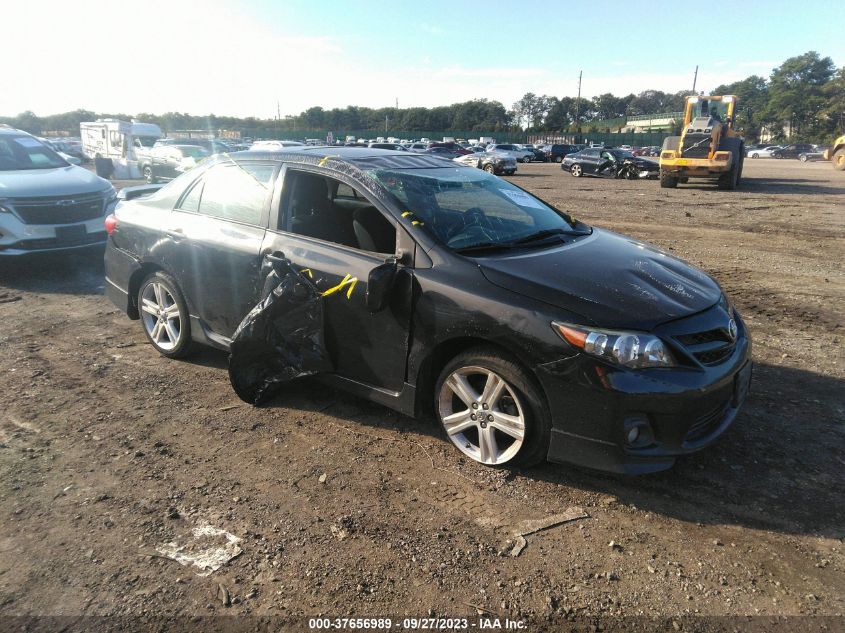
[
  {"x": 811, "y": 156},
  {"x": 556, "y": 152},
  {"x": 529, "y": 334},
  {"x": 450, "y": 145},
  {"x": 522, "y": 155},
  {"x": 445, "y": 152},
  {"x": 275, "y": 145},
  {"x": 391, "y": 146},
  {"x": 169, "y": 161},
  {"x": 762, "y": 152},
  {"x": 491, "y": 162},
  {"x": 46, "y": 204},
  {"x": 417, "y": 147},
  {"x": 792, "y": 151},
  {"x": 590, "y": 160}
]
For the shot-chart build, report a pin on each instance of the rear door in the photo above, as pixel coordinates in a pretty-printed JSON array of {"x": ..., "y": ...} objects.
[
  {"x": 220, "y": 224},
  {"x": 369, "y": 348}
]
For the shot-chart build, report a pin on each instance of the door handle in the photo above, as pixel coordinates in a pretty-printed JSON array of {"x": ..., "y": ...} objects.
[
  {"x": 276, "y": 257},
  {"x": 177, "y": 234}
]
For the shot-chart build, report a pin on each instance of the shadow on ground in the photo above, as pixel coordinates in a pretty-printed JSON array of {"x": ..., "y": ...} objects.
[
  {"x": 778, "y": 468},
  {"x": 77, "y": 272}
]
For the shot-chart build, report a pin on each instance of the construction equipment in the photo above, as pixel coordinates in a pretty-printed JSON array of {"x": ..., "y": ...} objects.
[
  {"x": 708, "y": 147},
  {"x": 836, "y": 154}
]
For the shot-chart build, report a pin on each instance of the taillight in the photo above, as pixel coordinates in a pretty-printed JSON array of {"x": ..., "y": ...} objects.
[{"x": 111, "y": 223}]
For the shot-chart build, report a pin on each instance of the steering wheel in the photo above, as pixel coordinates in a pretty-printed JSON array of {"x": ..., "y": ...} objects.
[{"x": 475, "y": 223}]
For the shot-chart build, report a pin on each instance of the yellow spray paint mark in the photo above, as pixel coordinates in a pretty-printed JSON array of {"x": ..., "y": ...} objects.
[
  {"x": 307, "y": 271},
  {"x": 325, "y": 159},
  {"x": 349, "y": 280},
  {"x": 411, "y": 215}
]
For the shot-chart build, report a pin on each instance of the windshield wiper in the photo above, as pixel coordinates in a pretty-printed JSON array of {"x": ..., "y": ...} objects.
[
  {"x": 539, "y": 235},
  {"x": 484, "y": 246},
  {"x": 494, "y": 246}
]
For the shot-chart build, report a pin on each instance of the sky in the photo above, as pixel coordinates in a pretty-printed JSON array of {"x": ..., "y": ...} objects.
[{"x": 243, "y": 57}]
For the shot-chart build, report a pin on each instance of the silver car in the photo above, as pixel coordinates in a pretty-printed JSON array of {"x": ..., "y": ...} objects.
[
  {"x": 521, "y": 155},
  {"x": 762, "y": 152},
  {"x": 46, "y": 204}
]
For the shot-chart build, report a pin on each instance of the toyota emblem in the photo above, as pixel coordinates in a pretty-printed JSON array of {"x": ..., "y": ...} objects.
[{"x": 732, "y": 330}]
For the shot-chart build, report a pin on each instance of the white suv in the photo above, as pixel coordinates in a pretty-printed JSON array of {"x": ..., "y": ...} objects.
[{"x": 46, "y": 204}]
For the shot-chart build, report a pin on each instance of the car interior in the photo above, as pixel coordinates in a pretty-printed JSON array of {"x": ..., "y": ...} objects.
[{"x": 327, "y": 209}]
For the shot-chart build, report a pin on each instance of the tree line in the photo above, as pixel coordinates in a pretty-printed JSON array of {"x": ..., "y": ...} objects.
[{"x": 802, "y": 99}]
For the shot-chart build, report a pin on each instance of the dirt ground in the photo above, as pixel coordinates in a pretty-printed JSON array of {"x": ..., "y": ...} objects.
[{"x": 108, "y": 452}]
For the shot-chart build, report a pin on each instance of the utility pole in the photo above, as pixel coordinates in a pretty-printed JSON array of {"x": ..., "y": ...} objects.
[
  {"x": 578, "y": 101},
  {"x": 695, "y": 78}
]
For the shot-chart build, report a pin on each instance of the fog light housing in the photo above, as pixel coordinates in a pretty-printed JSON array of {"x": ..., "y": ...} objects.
[{"x": 638, "y": 432}]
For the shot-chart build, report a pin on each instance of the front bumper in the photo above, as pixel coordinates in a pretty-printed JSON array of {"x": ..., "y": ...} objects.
[
  {"x": 29, "y": 239},
  {"x": 696, "y": 166},
  {"x": 593, "y": 405}
]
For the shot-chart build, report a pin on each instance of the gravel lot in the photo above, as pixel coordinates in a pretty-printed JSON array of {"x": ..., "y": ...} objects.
[{"x": 109, "y": 451}]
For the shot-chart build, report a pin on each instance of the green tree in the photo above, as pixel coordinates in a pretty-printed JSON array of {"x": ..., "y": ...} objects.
[{"x": 797, "y": 93}]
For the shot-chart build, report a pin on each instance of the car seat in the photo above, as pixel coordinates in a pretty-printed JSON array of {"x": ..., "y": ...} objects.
[{"x": 373, "y": 231}]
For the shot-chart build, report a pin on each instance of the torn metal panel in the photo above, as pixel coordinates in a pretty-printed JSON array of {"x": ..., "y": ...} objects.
[{"x": 280, "y": 339}]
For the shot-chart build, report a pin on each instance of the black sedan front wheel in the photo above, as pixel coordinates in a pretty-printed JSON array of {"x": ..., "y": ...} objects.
[
  {"x": 491, "y": 410},
  {"x": 526, "y": 159},
  {"x": 576, "y": 170},
  {"x": 489, "y": 168}
]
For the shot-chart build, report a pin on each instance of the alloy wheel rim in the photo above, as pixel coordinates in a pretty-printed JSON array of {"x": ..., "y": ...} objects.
[
  {"x": 576, "y": 170},
  {"x": 482, "y": 415},
  {"x": 161, "y": 317}
]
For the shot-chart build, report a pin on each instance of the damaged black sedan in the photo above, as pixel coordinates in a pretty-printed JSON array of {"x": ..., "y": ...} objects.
[{"x": 432, "y": 287}]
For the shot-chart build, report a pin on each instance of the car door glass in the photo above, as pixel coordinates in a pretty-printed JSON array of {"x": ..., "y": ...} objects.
[
  {"x": 347, "y": 218},
  {"x": 191, "y": 200},
  {"x": 236, "y": 192}
]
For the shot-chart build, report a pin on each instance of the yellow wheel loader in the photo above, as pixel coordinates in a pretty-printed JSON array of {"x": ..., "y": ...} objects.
[
  {"x": 836, "y": 154},
  {"x": 708, "y": 147}
]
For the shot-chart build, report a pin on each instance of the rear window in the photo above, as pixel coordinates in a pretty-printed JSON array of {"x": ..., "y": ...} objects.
[{"x": 236, "y": 192}]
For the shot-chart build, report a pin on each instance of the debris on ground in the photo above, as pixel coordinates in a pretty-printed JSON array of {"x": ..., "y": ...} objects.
[{"x": 208, "y": 549}]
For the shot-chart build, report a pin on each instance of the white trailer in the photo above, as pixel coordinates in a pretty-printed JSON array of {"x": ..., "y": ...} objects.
[{"x": 121, "y": 141}]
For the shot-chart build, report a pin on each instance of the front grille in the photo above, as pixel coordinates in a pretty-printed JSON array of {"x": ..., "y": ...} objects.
[
  {"x": 706, "y": 424},
  {"x": 59, "y": 209},
  {"x": 704, "y": 337},
  {"x": 710, "y": 347},
  {"x": 696, "y": 146}
]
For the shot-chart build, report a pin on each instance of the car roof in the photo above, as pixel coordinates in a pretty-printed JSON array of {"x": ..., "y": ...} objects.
[
  {"x": 361, "y": 157},
  {"x": 8, "y": 130}
]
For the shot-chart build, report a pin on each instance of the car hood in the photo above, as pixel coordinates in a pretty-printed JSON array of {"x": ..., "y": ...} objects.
[
  {"x": 646, "y": 162},
  {"x": 611, "y": 280},
  {"x": 59, "y": 181}
]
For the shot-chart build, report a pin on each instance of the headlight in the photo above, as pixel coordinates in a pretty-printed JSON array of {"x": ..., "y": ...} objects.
[{"x": 629, "y": 349}]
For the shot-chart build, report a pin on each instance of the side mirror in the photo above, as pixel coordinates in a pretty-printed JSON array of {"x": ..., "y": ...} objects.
[{"x": 379, "y": 285}]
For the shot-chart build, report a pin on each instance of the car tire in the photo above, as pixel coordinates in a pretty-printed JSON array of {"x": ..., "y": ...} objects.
[
  {"x": 164, "y": 315},
  {"x": 558, "y": 159},
  {"x": 576, "y": 170},
  {"x": 802, "y": 158},
  {"x": 526, "y": 159},
  {"x": 489, "y": 168},
  {"x": 667, "y": 180},
  {"x": 839, "y": 160},
  {"x": 149, "y": 177},
  {"x": 755, "y": 155},
  {"x": 515, "y": 427}
]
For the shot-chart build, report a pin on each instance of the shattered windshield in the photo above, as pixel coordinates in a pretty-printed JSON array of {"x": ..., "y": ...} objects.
[
  {"x": 469, "y": 208},
  {"x": 26, "y": 152}
]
